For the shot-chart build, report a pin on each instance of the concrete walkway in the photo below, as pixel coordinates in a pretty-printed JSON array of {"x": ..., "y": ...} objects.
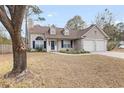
[{"x": 111, "y": 54}]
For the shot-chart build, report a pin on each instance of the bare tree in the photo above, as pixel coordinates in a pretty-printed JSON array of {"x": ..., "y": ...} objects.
[
  {"x": 13, "y": 23},
  {"x": 104, "y": 18}
]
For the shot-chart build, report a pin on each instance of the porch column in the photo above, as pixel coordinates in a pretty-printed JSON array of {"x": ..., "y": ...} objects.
[{"x": 48, "y": 45}]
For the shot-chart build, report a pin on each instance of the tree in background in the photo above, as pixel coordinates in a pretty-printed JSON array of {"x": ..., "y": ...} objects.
[
  {"x": 112, "y": 32},
  {"x": 120, "y": 27},
  {"x": 106, "y": 21},
  {"x": 1, "y": 31},
  {"x": 32, "y": 10},
  {"x": 76, "y": 23},
  {"x": 4, "y": 39},
  {"x": 104, "y": 18},
  {"x": 13, "y": 23}
]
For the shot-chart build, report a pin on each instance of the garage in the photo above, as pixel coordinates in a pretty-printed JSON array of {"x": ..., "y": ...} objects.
[
  {"x": 89, "y": 45},
  {"x": 100, "y": 45},
  {"x": 94, "y": 45}
]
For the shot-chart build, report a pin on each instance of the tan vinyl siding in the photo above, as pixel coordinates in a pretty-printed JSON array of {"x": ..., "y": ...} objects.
[{"x": 94, "y": 33}]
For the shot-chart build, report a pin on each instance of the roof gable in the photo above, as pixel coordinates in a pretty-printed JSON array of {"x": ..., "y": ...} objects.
[
  {"x": 98, "y": 29},
  {"x": 102, "y": 31}
]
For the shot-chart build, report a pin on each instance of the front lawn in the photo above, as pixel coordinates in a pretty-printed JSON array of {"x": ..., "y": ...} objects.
[
  {"x": 54, "y": 70},
  {"x": 119, "y": 50}
]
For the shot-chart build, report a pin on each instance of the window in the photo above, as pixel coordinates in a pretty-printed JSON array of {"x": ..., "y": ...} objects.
[
  {"x": 39, "y": 38},
  {"x": 66, "y": 31},
  {"x": 66, "y": 44},
  {"x": 52, "y": 30},
  {"x": 39, "y": 42}
]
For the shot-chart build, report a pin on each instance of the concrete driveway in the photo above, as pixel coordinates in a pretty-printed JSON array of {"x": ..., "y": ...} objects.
[{"x": 111, "y": 54}]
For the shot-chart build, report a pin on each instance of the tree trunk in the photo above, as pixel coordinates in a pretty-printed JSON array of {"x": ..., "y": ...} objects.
[{"x": 19, "y": 55}]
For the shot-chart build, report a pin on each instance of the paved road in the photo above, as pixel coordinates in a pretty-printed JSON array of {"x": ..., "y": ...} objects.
[{"x": 111, "y": 54}]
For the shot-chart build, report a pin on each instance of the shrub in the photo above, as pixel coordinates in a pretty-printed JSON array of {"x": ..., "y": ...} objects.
[
  {"x": 62, "y": 51},
  {"x": 67, "y": 49},
  {"x": 40, "y": 50},
  {"x": 44, "y": 50},
  {"x": 73, "y": 51},
  {"x": 83, "y": 51}
]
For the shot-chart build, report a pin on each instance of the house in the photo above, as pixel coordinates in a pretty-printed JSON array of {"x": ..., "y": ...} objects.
[
  {"x": 52, "y": 38},
  {"x": 121, "y": 44}
]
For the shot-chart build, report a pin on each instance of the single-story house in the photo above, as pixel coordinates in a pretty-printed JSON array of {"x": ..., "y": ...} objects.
[{"x": 54, "y": 38}]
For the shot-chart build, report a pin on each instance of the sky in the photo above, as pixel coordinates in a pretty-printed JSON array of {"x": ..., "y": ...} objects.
[{"x": 60, "y": 14}]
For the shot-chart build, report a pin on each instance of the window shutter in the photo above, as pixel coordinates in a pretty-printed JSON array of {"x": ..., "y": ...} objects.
[
  {"x": 33, "y": 44},
  {"x": 71, "y": 43},
  {"x": 44, "y": 44},
  {"x": 61, "y": 43}
]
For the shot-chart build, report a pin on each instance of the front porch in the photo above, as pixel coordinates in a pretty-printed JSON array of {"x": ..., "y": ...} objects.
[
  {"x": 51, "y": 45},
  {"x": 54, "y": 45}
]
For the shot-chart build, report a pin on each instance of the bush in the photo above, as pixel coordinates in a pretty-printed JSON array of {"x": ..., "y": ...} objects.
[
  {"x": 28, "y": 50},
  {"x": 44, "y": 50},
  {"x": 40, "y": 50},
  {"x": 74, "y": 51},
  {"x": 111, "y": 45},
  {"x": 62, "y": 51},
  {"x": 83, "y": 51}
]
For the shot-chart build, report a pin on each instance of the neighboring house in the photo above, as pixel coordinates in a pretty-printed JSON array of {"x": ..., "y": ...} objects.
[
  {"x": 55, "y": 39},
  {"x": 121, "y": 44}
]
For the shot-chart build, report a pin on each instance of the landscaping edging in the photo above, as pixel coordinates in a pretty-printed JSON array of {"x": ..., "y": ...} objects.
[{"x": 71, "y": 54}]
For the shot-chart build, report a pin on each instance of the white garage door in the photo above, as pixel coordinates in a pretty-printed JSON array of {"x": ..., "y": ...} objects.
[
  {"x": 100, "y": 45},
  {"x": 89, "y": 45},
  {"x": 94, "y": 45}
]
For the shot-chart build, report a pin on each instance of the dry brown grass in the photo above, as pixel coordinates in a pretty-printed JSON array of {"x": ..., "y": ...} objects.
[
  {"x": 52, "y": 70},
  {"x": 118, "y": 50}
]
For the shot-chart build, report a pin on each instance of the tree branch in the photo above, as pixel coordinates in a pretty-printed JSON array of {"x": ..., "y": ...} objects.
[
  {"x": 11, "y": 10},
  {"x": 5, "y": 19},
  {"x": 18, "y": 15}
]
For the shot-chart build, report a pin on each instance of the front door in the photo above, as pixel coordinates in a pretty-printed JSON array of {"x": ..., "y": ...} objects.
[{"x": 52, "y": 45}]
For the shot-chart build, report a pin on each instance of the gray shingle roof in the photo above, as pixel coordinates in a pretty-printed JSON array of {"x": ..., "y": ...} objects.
[{"x": 37, "y": 29}]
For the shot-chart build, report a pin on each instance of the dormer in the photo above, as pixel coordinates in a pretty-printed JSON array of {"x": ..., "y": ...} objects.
[
  {"x": 52, "y": 30},
  {"x": 66, "y": 31}
]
